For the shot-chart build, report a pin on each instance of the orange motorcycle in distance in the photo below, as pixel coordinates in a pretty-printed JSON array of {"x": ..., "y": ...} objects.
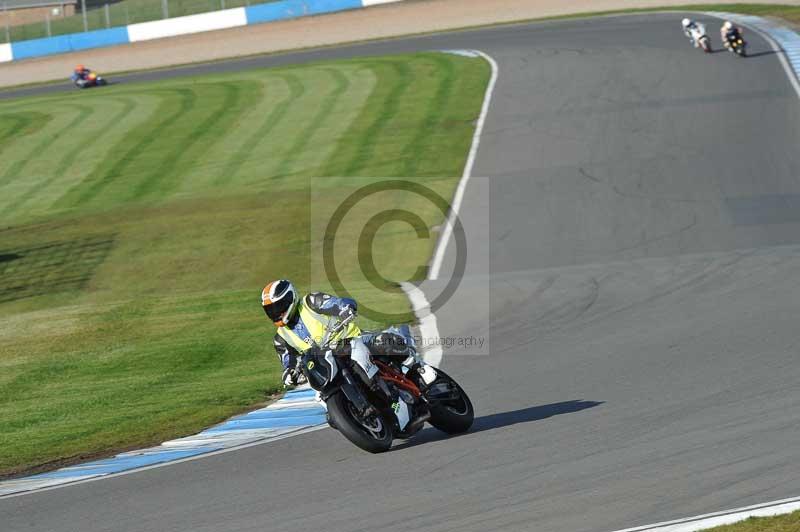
[{"x": 88, "y": 79}]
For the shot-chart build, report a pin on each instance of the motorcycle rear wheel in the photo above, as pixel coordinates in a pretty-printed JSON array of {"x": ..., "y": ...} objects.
[
  {"x": 452, "y": 417},
  {"x": 373, "y": 435}
]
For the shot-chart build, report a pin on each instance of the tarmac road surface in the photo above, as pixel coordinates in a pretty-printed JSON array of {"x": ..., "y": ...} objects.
[{"x": 641, "y": 266}]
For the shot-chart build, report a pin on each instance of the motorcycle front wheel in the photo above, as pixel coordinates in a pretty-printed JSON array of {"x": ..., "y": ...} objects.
[
  {"x": 373, "y": 434},
  {"x": 453, "y": 416}
]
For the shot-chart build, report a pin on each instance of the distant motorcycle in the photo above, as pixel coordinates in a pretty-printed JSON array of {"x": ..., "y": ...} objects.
[
  {"x": 737, "y": 45},
  {"x": 91, "y": 80},
  {"x": 705, "y": 44},
  {"x": 701, "y": 38}
]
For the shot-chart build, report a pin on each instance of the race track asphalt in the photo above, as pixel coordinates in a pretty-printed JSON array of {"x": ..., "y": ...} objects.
[{"x": 642, "y": 265}]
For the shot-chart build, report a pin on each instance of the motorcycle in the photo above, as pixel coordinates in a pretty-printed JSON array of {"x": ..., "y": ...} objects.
[
  {"x": 373, "y": 399},
  {"x": 738, "y": 46},
  {"x": 705, "y": 44},
  {"x": 699, "y": 35},
  {"x": 92, "y": 80}
]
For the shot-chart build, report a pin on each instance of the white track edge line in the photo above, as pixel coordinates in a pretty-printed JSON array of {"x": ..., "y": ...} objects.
[
  {"x": 303, "y": 430},
  {"x": 438, "y": 257},
  {"x": 701, "y": 522},
  {"x": 779, "y": 51},
  {"x": 426, "y": 319}
]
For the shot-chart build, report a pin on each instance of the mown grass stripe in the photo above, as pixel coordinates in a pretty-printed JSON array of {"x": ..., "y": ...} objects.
[
  {"x": 16, "y": 168},
  {"x": 69, "y": 159},
  {"x": 19, "y": 125},
  {"x": 12, "y": 123},
  {"x": 245, "y": 151},
  {"x": 305, "y": 135},
  {"x": 368, "y": 139},
  {"x": 415, "y": 150},
  {"x": 94, "y": 184},
  {"x": 128, "y": 105},
  {"x": 165, "y": 175}
]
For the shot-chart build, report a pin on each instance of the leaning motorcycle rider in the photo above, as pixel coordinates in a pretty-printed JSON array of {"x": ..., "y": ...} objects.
[
  {"x": 729, "y": 33},
  {"x": 302, "y": 324},
  {"x": 81, "y": 73},
  {"x": 693, "y": 31}
]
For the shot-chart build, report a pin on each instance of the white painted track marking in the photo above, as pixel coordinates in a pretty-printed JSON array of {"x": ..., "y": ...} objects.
[
  {"x": 426, "y": 319},
  {"x": 703, "y": 522},
  {"x": 441, "y": 247}
]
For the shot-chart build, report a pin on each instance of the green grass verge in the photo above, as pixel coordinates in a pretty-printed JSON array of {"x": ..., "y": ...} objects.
[
  {"x": 139, "y": 222},
  {"x": 780, "y": 523}
]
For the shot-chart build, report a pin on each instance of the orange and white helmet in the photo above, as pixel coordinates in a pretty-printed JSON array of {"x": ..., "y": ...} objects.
[
  {"x": 79, "y": 68},
  {"x": 279, "y": 299}
]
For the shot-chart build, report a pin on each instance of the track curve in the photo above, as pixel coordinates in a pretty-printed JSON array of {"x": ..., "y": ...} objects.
[{"x": 644, "y": 297}]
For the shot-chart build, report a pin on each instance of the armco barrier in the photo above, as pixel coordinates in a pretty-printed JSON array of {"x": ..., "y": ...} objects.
[
  {"x": 68, "y": 43},
  {"x": 316, "y": 7},
  {"x": 171, "y": 27},
  {"x": 296, "y": 8},
  {"x": 93, "y": 39},
  {"x": 213, "y": 20},
  {"x": 5, "y": 53}
]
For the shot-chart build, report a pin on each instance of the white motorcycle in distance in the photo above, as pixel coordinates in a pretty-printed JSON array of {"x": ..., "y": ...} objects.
[
  {"x": 373, "y": 399},
  {"x": 696, "y": 32}
]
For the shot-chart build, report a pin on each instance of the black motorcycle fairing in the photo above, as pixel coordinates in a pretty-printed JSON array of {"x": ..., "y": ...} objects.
[
  {"x": 317, "y": 369},
  {"x": 354, "y": 395},
  {"x": 441, "y": 391}
]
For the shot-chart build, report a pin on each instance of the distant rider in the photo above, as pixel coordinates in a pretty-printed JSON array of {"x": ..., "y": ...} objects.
[
  {"x": 693, "y": 30},
  {"x": 303, "y": 323},
  {"x": 729, "y": 33},
  {"x": 81, "y": 73}
]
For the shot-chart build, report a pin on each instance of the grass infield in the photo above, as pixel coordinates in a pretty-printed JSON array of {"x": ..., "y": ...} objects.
[
  {"x": 780, "y": 523},
  {"x": 139, "y": 222}
]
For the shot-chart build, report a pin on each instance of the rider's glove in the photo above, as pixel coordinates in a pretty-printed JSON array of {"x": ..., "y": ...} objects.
[
  {"x": 346, "y": 313},
  {"x": 292, "y": 377}
]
